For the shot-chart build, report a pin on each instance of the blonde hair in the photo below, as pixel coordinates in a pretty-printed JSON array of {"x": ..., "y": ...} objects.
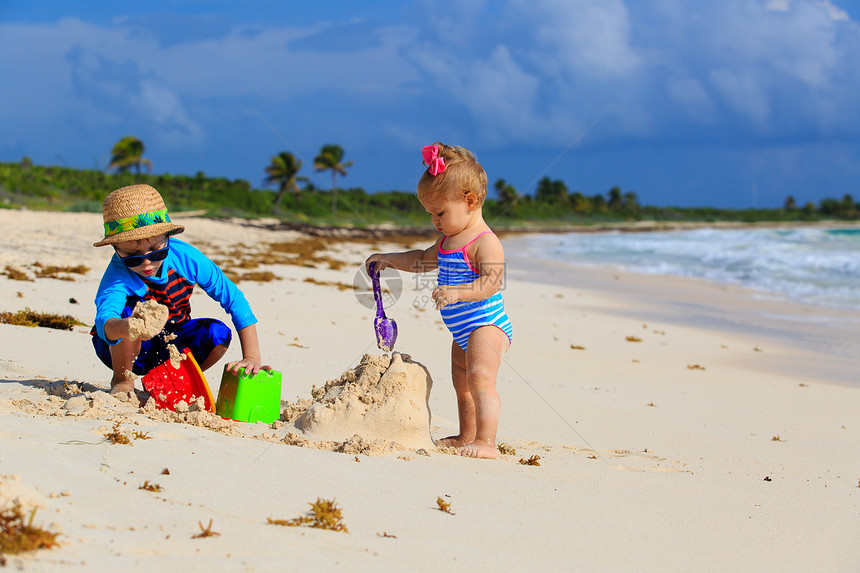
[{"x": 463, "y": 176}]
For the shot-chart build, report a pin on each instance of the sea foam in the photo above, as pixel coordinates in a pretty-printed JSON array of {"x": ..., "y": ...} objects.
[{"x": 811, "y": 265}]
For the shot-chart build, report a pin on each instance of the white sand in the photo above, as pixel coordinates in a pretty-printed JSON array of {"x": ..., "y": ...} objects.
[{"x": 655, "y": 455}]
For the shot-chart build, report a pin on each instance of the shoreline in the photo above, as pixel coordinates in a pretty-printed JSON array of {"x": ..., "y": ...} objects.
[{"x": 400, "y": 232}]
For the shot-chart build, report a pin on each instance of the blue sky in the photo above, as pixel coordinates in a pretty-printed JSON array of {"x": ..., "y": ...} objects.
[{"x": 729, "y": 103}]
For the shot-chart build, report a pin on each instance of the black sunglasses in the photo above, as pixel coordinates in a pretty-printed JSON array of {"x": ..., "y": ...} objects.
[{"x": 154, "y": 256}]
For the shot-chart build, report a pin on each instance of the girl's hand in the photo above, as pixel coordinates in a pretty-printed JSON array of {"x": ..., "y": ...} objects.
[
  {"x": 380, "y": 262},
  {"x": 249, "y": 365},
  {"x": 444, "y": 295}
]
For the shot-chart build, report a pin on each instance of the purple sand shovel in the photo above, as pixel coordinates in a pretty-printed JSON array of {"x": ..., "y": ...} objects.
[{"x": 386, "y": 329}]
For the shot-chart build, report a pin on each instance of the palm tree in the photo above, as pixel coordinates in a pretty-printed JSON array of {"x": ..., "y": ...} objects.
[
  {"x": 552, "y": 192},
  {"x": 507, "y": 194},
  {"x": 127, "y": 152},
  {"x": 615, "y": 200},
  {"x": 282, "y": 172},
  {"x": 630, "y": 204},
  {"x": 331, "y": 157}
]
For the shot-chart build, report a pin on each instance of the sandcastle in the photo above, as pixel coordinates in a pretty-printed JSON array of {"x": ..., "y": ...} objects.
[{"x": 382, "y": 398}]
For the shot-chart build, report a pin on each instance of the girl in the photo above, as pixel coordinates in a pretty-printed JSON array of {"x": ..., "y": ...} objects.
[{"x": 471, "y": 264}]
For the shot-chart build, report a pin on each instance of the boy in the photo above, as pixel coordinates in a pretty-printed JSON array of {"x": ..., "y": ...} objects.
[{"x": 150, "y": 265}]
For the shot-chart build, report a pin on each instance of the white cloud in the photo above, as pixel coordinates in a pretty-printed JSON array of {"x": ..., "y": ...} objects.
[
  {"x": 835, "y": 12},
  {"x": 502, "y": 94},
  {"x": 454, "y": 22},
  {"x": 166, "y": 109},
  {"x": 582, "y": 36},
  {"x": 777, "y": 71},
  {"x": 262, "y": 63},
  {"x": 693, "y": 98},
  {"x": 733, "y": 66},
  {"x": 778, "y": 5},
  {"x": 76, "y": 67},
  {"x": 745, "y": 92},
  {"x": 552, "y": 68}
]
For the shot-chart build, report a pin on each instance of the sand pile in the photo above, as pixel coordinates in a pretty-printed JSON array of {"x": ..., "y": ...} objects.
[
  {"x": 381, "y": 398},
  {"x": 147, "y": 320},
  {"x": 14, "y": 492},
  {"x": 83, "y": 400},
  {"x": 378, "y": 407}
]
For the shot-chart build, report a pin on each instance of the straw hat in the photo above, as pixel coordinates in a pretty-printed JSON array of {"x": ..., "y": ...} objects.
[{"x": 133, "y": 213}]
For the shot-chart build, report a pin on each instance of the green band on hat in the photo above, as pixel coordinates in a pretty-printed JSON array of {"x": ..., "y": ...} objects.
[{"x": 136, "y": 222}]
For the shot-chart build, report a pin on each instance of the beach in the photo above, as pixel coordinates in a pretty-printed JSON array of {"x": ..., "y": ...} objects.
[{"x": 670, "y": 425}]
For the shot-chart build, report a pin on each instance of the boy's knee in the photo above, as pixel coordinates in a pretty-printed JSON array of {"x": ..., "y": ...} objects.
[{"x": 219, "y": 351}]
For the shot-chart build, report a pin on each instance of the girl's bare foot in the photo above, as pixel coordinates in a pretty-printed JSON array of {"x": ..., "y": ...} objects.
[
  {"x": 455, "y": 441},
  {"x": 480, "y": 449}
]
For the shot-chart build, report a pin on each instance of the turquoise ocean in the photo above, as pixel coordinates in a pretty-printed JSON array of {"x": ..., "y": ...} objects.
[{"x": 811, "y": 265}]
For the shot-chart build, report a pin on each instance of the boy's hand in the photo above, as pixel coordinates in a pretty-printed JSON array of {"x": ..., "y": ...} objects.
[
  {"x": 249, "y": 365},
  {"x": 444, "y": 295}
]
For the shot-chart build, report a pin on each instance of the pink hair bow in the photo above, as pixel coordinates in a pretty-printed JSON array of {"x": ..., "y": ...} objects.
[{"x": 435, "y": 164}]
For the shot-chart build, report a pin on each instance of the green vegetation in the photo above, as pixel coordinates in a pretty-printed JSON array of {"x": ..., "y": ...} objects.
[{"x": 23, "y": 184}]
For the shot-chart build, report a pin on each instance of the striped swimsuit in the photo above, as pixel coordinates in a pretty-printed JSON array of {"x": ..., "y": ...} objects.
[
  {"x": 175, "y": 294},
  {"x": 464, "y": 317}
]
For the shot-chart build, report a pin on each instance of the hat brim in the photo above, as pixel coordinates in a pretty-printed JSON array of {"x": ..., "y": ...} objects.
[{"x": 141, "y": 233}]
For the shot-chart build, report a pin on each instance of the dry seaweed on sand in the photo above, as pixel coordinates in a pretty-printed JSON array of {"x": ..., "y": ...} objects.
[
  {"x": 307, "y": 252},
  {"x": 59, "y": 272},
  {"x": 16, "y": 275},
  {"x": 29, "y": 317},
  {"x": 154, "y": 487},
  {"x": 532, "y": 461},
  {"x": 339, "y": 286},
  {"x": 324, "y": 514},
  {"x": 116, "y": 437},
  {"x": 18, "y": 535},
  {"x": 444, "y": 505},
  {"x": 259, "y": 276},
  {"x": 506, "y": 449},
  {"x": 205, "y": 531}
]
